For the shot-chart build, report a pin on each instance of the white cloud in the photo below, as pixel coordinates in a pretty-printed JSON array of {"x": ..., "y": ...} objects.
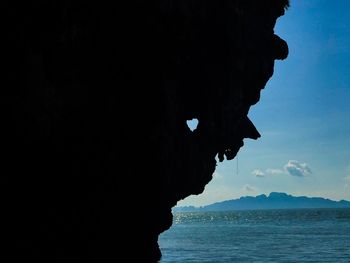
[
  {"x": 347, "y": 178},
  {"x": 258, "y": 173},
  {"x": 274, "y": 171},
  {"x": 249, "y": 188},
  {"x": 298, "y": 169}
]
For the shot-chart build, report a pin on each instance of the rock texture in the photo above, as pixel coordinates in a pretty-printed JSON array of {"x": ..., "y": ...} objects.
[{"x": 94, "y": 110}]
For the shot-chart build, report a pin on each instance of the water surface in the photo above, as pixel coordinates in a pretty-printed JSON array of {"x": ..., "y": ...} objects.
[{"x": 301, "y": 235}]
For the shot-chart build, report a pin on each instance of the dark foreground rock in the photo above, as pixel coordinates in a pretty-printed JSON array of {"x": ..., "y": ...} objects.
[{"x": 95, "y": 146}]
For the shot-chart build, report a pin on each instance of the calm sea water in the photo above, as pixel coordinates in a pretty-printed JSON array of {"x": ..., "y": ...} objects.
[{"x": 304, "y": 235}]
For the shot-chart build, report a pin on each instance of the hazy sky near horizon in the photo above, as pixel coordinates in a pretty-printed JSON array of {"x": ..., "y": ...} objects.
[{"x": 303, "y": 114}]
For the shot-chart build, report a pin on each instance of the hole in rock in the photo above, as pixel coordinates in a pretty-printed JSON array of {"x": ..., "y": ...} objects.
[{"x": 192, "y": 124}]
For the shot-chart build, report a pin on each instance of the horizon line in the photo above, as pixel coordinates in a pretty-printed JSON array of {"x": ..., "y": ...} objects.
[{"x": 267, "y": 195}]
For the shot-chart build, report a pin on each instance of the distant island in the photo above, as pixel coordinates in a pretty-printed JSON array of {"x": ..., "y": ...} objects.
[{"x": 272, "y": 201}]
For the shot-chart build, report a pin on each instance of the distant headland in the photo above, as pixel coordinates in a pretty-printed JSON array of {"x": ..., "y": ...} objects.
[{"x": 273, "y": 201}]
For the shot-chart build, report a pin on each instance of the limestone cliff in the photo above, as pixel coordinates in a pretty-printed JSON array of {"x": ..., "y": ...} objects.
[{"x": 95, "y": 103}]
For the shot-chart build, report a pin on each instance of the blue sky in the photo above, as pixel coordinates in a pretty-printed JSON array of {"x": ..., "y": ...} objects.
[{"x": 303, "y": 115}]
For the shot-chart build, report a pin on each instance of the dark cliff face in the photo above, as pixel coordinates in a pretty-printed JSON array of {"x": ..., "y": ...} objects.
[{"x": 95, "y": 142}]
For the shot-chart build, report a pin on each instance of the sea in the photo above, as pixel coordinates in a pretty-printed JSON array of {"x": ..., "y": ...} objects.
[{"x": 300, "y": 235}]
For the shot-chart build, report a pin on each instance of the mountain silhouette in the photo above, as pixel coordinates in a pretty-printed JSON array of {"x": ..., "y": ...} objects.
[{"x": 273, "y": 201}]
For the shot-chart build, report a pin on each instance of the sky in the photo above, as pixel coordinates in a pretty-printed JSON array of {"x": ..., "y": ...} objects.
[{"x": 303, "y": 114}]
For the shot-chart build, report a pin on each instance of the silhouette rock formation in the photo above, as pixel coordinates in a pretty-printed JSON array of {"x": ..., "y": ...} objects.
[{"x": 94, "y": 135}]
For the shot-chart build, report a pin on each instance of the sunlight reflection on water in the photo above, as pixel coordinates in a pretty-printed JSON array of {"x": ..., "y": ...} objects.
[{"x": 314, "y": 235}]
